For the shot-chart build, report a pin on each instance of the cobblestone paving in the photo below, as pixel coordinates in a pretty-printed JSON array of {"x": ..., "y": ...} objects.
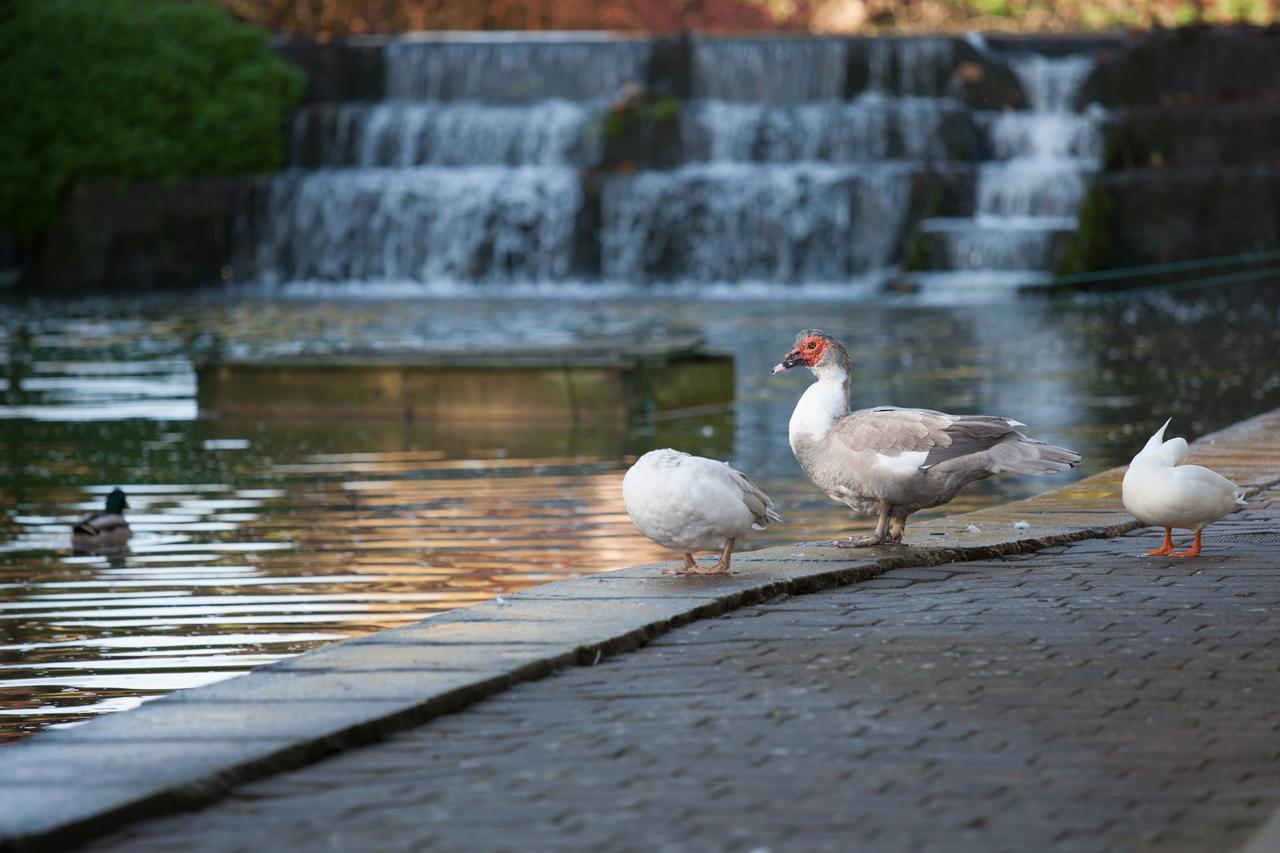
[{"x": 1079, "y": 699}]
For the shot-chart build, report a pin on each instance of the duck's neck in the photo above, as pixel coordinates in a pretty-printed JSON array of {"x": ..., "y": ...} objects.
[{"x": 823, "y": 403}]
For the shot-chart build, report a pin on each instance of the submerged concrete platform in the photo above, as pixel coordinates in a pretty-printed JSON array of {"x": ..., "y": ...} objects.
[
  {"x": 609, "y": 381},
  {"x": 194, "y": 747}
]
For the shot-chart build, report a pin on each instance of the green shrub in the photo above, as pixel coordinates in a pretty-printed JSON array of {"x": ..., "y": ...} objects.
[{"x": 93, "y": 89}]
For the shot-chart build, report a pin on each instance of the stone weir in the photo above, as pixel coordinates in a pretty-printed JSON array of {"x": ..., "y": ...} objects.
[{"x": 509, "y": 160}]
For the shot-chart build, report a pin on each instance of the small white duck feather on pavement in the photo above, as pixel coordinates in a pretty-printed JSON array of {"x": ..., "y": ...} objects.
[
  {"x": 690, "y": 503},
  {"x": 1161, "y": 490}
]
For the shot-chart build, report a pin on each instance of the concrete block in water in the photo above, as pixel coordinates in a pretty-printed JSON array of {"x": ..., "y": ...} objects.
[{"x": 607, "y": 382}]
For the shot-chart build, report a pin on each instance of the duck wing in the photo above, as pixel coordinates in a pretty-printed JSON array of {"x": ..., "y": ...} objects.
[
  {"x": 922, "y": 439},
  {"x": 757, "y": 502},
  {"x": 99, "y": 523}
]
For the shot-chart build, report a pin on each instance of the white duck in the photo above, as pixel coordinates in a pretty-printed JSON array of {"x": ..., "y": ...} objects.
[
  {"x": 889, "y": 461},
  {"x": 103, "y": 530},
  {"x": 1160, "y": 490},
  {"x": 688, "y": 503}
]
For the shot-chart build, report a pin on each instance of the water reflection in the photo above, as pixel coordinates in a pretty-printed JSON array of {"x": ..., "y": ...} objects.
[{"x": 254, "y": 541}]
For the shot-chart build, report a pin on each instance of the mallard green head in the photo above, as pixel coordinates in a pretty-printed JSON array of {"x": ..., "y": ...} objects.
[{"x": 116, "y": 502}]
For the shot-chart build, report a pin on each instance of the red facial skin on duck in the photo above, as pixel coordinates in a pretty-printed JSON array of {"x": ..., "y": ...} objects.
[{"x": 807, "y": 354}]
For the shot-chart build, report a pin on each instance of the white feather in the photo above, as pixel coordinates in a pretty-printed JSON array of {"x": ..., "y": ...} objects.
[
  {"x": 904, "y": 464},
  {"x": 821, "y": 405}
]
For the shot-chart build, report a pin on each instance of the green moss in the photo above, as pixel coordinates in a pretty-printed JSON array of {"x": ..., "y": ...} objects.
[
  {"x": 641, "y": 110},
  {"x": 614, "y": 125},
  {"x": 100, "y": 89},
  {"x": 1091, "y": 247},
  {"x": 664, "y": 111},
  {"x": 915, "y": 257}
]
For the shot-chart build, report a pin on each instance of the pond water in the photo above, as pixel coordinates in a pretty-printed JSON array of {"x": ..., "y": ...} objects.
[{"x": 255, "y": 541}]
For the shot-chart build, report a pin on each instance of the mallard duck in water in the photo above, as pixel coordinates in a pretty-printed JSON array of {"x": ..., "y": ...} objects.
[
  {"x": 1160, "y": 490},
  {"x": 106, "y": 529}
]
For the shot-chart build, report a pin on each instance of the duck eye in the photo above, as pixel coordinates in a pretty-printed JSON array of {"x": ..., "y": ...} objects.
[{"x": 812, "y": 345}]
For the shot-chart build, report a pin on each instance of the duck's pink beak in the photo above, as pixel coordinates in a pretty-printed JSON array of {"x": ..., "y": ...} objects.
[{"x": 793, "y": 359}]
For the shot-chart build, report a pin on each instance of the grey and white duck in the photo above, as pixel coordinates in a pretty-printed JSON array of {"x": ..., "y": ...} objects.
[
  {"x": 690, "y": 503},
  {"x": 891, "y": 462},
  {"x": 107, "y": 529}
]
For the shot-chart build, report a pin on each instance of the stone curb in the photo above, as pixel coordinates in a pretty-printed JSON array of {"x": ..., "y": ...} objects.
[{"x": 188, "y": 749}]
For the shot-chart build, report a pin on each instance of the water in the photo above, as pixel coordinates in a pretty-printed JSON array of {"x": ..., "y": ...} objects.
[
  {"x": 255, "y": 541},
  {"x": 1028, "y": 196},
  {"x": 735, "y": 221},
  {"x": 766, "y": 69},
  {"x": 513, "y": 67},
  {"x": 796, "y": 160}
]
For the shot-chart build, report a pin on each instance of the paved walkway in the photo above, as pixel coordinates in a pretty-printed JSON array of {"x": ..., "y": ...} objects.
[{"x": 1078, "y": 699}]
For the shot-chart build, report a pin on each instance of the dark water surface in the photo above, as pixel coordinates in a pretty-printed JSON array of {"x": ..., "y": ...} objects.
[{"x": 255, "y": 541}]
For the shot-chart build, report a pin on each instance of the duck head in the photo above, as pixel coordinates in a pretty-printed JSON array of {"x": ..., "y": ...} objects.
[
  {"x": 116, "y": 502},
  {"x": 819, "y": 352}
]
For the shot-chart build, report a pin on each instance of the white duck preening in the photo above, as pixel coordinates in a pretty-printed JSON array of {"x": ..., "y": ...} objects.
[
  {"x": 1162, "y": 491},
  {"x": 891, "y": 462},
  {"x": 688, "y": 503}
]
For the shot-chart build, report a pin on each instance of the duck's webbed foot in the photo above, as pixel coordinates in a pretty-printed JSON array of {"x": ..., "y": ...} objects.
[
  {"x": 882, "y": 536},
  {"x": 862, "y": 541},
  {"x": 1167, "y": 548},
  {"x": 897, "y": 529},
  {"x": 690, "y": 567}
]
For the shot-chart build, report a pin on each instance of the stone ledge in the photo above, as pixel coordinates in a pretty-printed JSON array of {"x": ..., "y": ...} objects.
[{"x": 193, "y": 747}]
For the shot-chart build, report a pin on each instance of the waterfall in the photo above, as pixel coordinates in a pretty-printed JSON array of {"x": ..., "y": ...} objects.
[
  {"x": 737, "y": 221},
  {"x": 867, "y": 129},
  {"x": 513, "y": 67},
  {"x": 772, "y": 70},
  {"x": 469, "y": 172},
  {"x": 440, "y": 133},
  {"x": 1029, "y": 192},
  {"x": 793, "y": 161}
]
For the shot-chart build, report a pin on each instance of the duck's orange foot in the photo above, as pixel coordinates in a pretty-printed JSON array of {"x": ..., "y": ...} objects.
[
  {"x": 1165, "y": 549},
  {"x": 1193, "y": 551}
]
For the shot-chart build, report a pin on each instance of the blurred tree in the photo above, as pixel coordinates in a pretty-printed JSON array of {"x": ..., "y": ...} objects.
[{"x": 94, "y": 89}]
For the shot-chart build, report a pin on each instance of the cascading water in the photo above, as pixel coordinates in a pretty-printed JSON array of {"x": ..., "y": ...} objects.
[
  {"x": 1028, "y": 195},
  {"x": 469, "y": 173},
  {"x": 787, "y": 181},
  {"x": 799, "y": 160}
]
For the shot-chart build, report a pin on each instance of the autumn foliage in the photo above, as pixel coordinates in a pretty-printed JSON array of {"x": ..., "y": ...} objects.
[
  {"x": 382, "y": 16},
  {"x": 345, "y": 17}
]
